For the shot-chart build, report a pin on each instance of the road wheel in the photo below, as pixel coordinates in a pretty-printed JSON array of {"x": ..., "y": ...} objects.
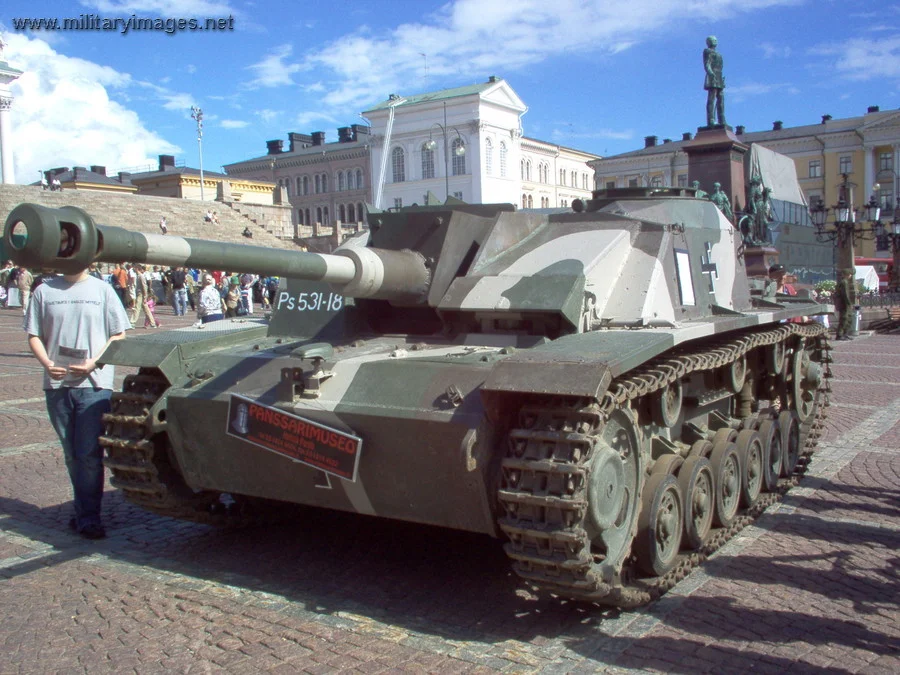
[{"x": 660, "y": 525}]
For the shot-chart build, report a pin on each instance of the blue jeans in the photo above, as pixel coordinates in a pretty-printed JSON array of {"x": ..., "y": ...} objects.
[
  {"x": 180, "y": 300},
  {"x": 77, "y": 416}
]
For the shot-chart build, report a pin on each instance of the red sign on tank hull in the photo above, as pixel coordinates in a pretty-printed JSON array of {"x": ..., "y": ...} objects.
[{"x": 302, "y": 440}]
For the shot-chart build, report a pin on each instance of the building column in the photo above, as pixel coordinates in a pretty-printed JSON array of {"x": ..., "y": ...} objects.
[
  {"x": 6, "y": 150},
  {"x": 869, "y": 172}
]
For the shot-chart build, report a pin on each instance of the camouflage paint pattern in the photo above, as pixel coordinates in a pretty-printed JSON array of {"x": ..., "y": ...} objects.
[{"x": 473, "y": 307}]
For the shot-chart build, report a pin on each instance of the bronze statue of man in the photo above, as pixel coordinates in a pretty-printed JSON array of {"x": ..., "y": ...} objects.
[
  {"x": 721, "y": 200},
  {"x": 698, "y": 193},
  {"x": 714, "y": 83}
]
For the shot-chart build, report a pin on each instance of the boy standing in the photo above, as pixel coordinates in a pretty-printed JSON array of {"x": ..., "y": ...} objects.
[{"x": 70, "y": 322}]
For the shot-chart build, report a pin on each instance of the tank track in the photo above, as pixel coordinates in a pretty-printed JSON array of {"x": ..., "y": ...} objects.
[
  {"x": 142, "y": 467},
  {"x": 543, "y": 514}
]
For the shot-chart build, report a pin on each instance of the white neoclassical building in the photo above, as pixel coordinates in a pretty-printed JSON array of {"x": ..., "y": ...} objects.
[{"x": 467, "y": 142}]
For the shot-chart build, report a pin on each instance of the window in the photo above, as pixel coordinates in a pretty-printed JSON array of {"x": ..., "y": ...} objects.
[
  {"x": 340, "y": 182},
  {"x": 459, "y": 157},
  {"x": 632, "y": 182},
  {"x": 562, "y": 176},
  {"x": 325, "y": 185},
  {"x": 359, "y": 180},
  {"x": 522, "y": 169},
  {"x": 319, "y": 213},
  {"x": 610, "y": 184},
  {"x": 488, "y": 156},
  {"x": 427, "y": 162},
  {"x": 342, "y": 214},
  {"x": 300, "y": 216},
  {"x": 815, "y": 168},
  {"x": 398, "y": 165},
  {"x": 318, "y": 184},
  {"x": 502, "y": 159},
  {"x": 574, "y": 177},
  {"x": 306, "y": 187},
  {"x": 398, "y": 202},
  {"x": 458, "y": 195},
  {"x": 351, "y": 212},
  {"x": 350, "y": 180},
  {"x": 885, "y": 161},
  {"x": 886, "y": 199},
  {"x": 584, "y": 181},
  {"x": 845, "y": 164},
  {"x": 307, "y": 220},
  {"x": 530, "y": 202},
  {"x": 327, "y": 220},
  {"x": 682, "y": 180},
  {"x": 528, "y": 169},
  {"x": 360, "y": 214},
  {"x": 524, "y": 201},
  {"x": 300, "y": 186}
]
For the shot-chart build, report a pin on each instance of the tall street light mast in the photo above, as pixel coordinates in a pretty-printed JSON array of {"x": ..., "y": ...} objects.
[{"x": 197, "y": 114}]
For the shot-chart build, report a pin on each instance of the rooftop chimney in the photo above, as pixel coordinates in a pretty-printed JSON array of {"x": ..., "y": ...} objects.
[
  {"x": 667, "y": 140},
  {"x": 739, "y": 129},
  {"x": 124, "y": 177},
  {"x": 359, "y": 130},
  {"x": 686, "y": 136},
  {"x": 345, "y": 135},
  {"x": 96, "y": 168},
  {"x": 492, "y": 78},
  {"x": 825, "y": 118},
  {"x": 318, "y": 138},
  {"x": 166, "y": 162},
  {"x": 777, "y": 125},
  {"x": 873, "y": 108},
  {"x": 649, "y": 141},
  {"x": 58, "y": 170},
  {"x": 275, "y": 147},
  {"x": 298, "y": 141}
]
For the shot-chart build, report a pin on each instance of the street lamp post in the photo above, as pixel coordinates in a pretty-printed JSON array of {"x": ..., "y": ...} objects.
[
  {"x": 844, "y": 230},
  {"x": 197, "y": 114},
  {"x": 891, "y": 234},
  {"x": 460, "y": 150}
]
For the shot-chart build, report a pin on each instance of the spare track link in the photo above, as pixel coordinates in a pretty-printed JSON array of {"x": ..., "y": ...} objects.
[
  {"x": 553, "y": 551},
  {"x": 140, "y": 465}
]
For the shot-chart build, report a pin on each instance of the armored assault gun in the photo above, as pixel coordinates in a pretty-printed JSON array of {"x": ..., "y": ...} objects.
[{"x": 602, "y": 389}]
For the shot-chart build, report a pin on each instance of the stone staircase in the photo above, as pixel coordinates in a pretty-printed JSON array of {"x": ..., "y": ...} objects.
[{"x": 142, "y": 213}]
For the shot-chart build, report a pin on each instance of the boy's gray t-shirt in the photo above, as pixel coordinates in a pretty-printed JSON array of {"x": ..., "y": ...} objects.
[{"x": 75, "y": 321}]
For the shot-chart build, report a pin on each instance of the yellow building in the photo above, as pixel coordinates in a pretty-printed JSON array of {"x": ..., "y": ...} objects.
[
  {"x": 93, "y": 178},
  {"x": 865, "y": 149},
  {"x": 183, "y": 182}
]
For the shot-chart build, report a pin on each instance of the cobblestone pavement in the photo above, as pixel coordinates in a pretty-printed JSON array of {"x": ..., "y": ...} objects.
[{"x": 812, "y": 586}]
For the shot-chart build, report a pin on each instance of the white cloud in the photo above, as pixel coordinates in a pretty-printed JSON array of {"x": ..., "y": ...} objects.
[
  {"x": 747, "y": 90},
  {"x": 865, "y": 59},
  {"x": 267, "y": 115},
  {"x": 273, "y": 71},
  {"x": 63, "y": 115},
  {"x": 473, "y": 38},
  {"x": 234, "y": 124},
  {"x": 771, "y": 51},
  {"x": 162, "y": 8}
]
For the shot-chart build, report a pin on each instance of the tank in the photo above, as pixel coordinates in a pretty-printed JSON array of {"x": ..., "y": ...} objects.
[{"x": 602, "y": 390}]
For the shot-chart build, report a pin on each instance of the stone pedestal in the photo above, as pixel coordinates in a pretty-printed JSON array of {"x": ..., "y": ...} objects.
[
  {"x": 758, "y": 260},
  {"x": 717, "y": 156}
]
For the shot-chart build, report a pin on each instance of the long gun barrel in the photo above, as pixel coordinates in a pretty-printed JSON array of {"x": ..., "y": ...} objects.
[{"x": 68, "y": 240}]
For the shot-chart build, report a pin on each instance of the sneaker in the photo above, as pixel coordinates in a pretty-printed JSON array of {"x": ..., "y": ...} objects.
[{"x": 93, "y": 531}]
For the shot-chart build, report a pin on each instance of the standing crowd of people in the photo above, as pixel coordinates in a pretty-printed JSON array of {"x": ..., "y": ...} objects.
[{"x": 212, "y": 295}]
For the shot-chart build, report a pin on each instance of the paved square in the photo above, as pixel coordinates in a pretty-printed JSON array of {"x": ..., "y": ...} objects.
[{"x": 813, "y": 585}]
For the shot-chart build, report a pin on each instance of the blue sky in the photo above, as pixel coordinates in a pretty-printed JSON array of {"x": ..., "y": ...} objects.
[{"x": 596, "y": 75}]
